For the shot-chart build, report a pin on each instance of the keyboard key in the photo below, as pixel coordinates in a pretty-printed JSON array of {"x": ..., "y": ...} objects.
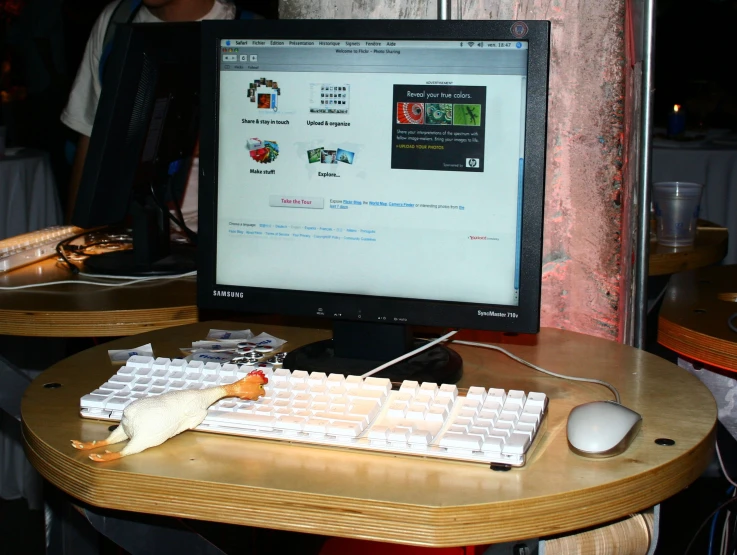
[
  {"x": 448, "y": 391},
  {"x": 378, "y": 433},
  {"x": 429, "y": 388},
  {"x": 317, "y": 379},
  {"x": 336, "y": 381},
  {"x": 291, "y": 423},
  {"x": 419, "y": 438},
  {"x": 397, "y": 410},
  {"x": 516, "y": 444},
  {"x": 380, "y": 384},
  {"x": 478, "y": 393},
  {"x": 536, "y": 399},
  {"x": 138, "y": 361},
  {"x": 316, "y": 425},
  {"x": 460, "y": 441},
  {"x": 346, "y": 429},
  {"x": 161, "y": 363},
  {"x": 498, "y": 395},
  {"x": 353, "y": 382},
  {"x": 94, "y": 401},
  {"x": 410, "y": 387}
]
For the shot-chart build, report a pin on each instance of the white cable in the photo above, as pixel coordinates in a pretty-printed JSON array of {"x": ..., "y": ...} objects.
[
  {"x": 724, "y": 470},
  {"x": 142, "y": 278},
  {"x": 522, "y": 361},
  {"x": 100, "y": 283},
  {"x": 407, "y": 355},
  {"x": 723, "y": 545}
]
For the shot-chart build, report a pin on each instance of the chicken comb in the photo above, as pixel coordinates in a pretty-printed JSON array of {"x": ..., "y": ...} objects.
[{"x": 259, "y": 373}]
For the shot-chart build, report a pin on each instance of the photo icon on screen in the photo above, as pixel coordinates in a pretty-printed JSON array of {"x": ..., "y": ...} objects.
[
  {"x": 329, "y": 157},
  {"x": 261, "y": 151},
  {"x": 325, "y": 98},
  {"x": 264, "y": 101},
  {"x": 410, "y": 112},
  {"x": 314, "y": 155},
  {"x": 467, "y": 114},
  {"x": 438, "y": 114},
  {"x": 345, "y": 156}
]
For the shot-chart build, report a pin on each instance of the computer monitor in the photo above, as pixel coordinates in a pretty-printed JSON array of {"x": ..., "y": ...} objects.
[
  {"x": 378, "y": 174},
  {"x": 143, "y": 137}
]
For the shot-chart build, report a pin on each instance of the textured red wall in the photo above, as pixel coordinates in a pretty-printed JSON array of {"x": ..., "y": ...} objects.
[{"x": 582, "y": 271}]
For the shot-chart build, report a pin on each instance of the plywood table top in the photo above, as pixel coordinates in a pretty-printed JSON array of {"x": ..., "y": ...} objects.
[
  {"x": 382, "y": 497},
  {"x": 81, "y": 310},
  {"x": 693, "y": 319}
]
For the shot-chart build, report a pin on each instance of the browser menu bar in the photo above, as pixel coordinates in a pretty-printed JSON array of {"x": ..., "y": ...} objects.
[{"x": 231, "y": 45}]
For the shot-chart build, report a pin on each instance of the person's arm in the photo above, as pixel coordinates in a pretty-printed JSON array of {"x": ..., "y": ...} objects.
[{"x": 83, "y": 144}]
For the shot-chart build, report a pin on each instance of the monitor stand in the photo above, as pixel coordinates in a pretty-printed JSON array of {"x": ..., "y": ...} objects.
[
  {"x": 153, "y": 253},
  {"x": 358, "y": 347}
]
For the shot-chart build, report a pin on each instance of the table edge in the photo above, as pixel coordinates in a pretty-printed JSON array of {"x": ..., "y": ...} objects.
[{"x": 480, "y": 524}]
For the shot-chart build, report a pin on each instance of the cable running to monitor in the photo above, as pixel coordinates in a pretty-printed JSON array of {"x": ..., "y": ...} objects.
[
  {"x": 131, "y": 281},
  {"x": 495, "y": 348}
]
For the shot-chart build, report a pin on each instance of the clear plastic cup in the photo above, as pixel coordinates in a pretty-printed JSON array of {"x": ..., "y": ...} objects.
[{"x": 677, "y": 206}]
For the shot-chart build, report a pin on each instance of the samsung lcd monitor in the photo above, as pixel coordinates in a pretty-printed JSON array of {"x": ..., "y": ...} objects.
[
  {"x": 377, "y": 174},
  {"x": 143, "y": 137}
]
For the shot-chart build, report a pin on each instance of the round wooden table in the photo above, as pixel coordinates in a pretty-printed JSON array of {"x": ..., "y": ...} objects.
[
  {"x": 709, "y": 248},
  {"x": 81, "y": 310},
  {"x": 381, "y": 497},
  {"x": 693, "y": 318}
]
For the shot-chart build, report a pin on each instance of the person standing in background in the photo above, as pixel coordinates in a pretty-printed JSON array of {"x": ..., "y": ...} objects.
[{"x": 81, "y": 107}]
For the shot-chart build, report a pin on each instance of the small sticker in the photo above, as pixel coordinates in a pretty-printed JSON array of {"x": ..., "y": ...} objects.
[{"x": 519, "y": 29}]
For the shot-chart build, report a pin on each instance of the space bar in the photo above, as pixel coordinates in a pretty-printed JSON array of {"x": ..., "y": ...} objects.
[{"x": 240, "y": 420}]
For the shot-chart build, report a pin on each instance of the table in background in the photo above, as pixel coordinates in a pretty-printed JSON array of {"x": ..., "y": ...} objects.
[
  {"x": 709, "y": 248},
  {"x": 28, "y": 196},
  {"x": 693, "y": 318},
  {"x": 390, "y": 498},
  {"x": 715, "y": 167},
  {"x": 72, "y": 310}
]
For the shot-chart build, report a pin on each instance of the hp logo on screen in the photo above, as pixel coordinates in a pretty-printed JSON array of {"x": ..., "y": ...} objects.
[{"x": 472, "y": 162}]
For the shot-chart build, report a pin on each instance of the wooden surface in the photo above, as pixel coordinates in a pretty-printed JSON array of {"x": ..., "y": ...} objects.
[
  {"x": 693, "y": 319},
  {"x": 80, "y": 310},
  {"x": 382, "y": 497},
  {"x": 709, "y": 248}
]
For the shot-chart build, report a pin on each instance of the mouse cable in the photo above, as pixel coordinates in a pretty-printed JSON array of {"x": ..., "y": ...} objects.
[
  {"x": 100, "y": 283},
  {"x": 530, "y": 365}
]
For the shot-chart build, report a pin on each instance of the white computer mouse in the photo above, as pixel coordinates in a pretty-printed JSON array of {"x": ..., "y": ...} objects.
[{"x": 602, "y": 429}]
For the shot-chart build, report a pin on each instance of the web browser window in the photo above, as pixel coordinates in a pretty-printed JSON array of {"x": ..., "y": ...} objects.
[{"x": 389, "y": 168}]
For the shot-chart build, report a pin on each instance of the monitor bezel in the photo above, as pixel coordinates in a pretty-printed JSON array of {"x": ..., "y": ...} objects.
[{"x": 523, "y": 318}]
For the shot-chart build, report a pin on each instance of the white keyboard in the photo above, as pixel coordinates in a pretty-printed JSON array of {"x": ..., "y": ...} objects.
[
  {"x": 490, "y": 426},
  {"x": 33, "y": 246}
]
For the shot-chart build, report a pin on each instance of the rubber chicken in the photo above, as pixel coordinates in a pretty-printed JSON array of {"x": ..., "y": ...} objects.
[{"x": 150, "y": 421}]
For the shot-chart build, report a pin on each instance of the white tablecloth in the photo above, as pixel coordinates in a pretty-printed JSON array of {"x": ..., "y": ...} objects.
[
  {"x": 28, "y": 195},
  {"x": 28, "y": 201},
  {"x": 714, "y": 167}
]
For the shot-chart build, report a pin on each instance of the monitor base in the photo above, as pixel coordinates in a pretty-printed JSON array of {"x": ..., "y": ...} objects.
[
  {"x": 181, "y": 260},
  {"x": 437, "y": 364}
]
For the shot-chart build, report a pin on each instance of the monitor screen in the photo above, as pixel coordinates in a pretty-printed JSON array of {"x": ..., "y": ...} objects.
[{"x": 388, "y": 172}]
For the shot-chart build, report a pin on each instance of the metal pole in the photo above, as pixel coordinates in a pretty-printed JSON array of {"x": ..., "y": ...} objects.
[
  {"x": 644, "y": 175},
  {"x": 444, "y": 9}
]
